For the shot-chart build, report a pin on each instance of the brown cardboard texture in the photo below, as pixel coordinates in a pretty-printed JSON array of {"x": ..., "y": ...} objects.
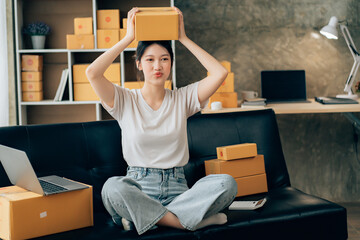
[
  {"x": 160, "y": 23},
  {"x": 251, "y": 185},
  {"x": 236, "y": 168},
  {"x": 112, "y": 73},
  {"x": 84, "y": 92},
  {"x": 228, "y": 84},
  {"x": 32, "y": 86},
  {"x": 107, "y": 38},
  {"x": 32, "y": 63},
  {"x": 140, "y": 84},
  {"x": 32, "y": 96},
  {"x": 108, "y": 19},
  {"x": 227, "y": 99},
  {"x": 124, "y": 22},
  {"x": 133, "y": 44},
  {"x": 227, "y": 65},
  {"x": 244, "y": 150},
  {"x": 25, "y": 214},
  {"x": 83, "y": 26},
  {"x": 80, "y": 41},
  {"x": 31, "y": 76}
]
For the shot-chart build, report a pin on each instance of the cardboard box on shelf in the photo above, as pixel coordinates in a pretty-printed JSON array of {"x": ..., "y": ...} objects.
[
  {"x": 228, "y": 84},
  {"x": 25, "y": 214},
  {"x": 156, "y": 23},
  {"x": 107, "y": 38},
  {"x": 227, "y": 99},
  {"x": 108, "y": 19},
  {"x": 80, "y": 41},
  {"x": 237, "y": 151},
  {"x": 31, "y": 63},
  {"x": 31, "y": 76},
  {"x": 250, "y": 185},
  {"x": 83, "y": 26},
  {"x": 112, "y": 73},
  {"x": 124, "y": 23},
  {"x": 84, "y": 92},
  {"x": 123, "y": 34},
  {"x": 32, "y": 96},
  {"x": 140, "y": 84},
  {"x": 32, "y": 86},
  {"x": 236, "y": 168}
]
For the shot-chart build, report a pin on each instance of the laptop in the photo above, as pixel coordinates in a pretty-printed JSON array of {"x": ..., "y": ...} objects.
[
  {"x": 20, "y": 172},
  {"x": 283, "y": 86}
]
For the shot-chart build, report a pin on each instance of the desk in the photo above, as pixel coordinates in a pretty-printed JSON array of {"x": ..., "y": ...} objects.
[{"x": 300, "y": 108}]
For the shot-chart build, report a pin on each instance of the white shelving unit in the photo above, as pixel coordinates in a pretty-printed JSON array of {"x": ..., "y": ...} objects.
[{"x": 59, "y": 15}]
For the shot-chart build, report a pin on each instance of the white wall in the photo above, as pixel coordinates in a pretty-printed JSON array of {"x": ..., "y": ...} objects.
[{"x": 4, "y": 85}]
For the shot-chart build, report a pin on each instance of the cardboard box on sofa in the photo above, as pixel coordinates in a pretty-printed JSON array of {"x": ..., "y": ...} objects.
[
  {"x": 227, "y": 99},
  {"x": 32, "y": 86},
  {"x": 108, "y": 19},
  {"x": 107, "y": 38},
  {"x": 83, "y": 26},
  {"x": 244, "y": 150},
  {"x": 31, "y": 76},
  {"x": 156, "y": 23},
  {"x": 25, "y": 214},
  {"x": 32, "y": 96},
  {"x": 31, "y": 63},
  {"x": 236, "y": 168},
  {"x": 250, "y": 185},
  {"x": 112, "y": 73},
  {"x": 84, "y": 41}
]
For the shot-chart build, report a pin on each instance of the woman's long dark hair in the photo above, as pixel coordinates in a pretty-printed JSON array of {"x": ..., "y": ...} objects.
[{"x": 143, "y": 45}]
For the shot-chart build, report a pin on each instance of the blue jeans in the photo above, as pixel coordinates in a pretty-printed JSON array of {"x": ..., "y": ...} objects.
[{"x": 145, "y": 195}]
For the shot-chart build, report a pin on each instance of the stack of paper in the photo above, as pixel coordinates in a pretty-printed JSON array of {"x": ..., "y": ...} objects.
[{"x": 61, "y": 88}]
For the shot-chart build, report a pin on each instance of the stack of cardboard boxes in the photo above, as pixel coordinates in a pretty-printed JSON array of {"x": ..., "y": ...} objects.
[
  {"x": 82, "y": 88},
  {"x": 108, "y": 28},
  {"x": 31, "y": 77},
  {"x": 225, "y": 93},
  {"x": 244, "y": 164},
  {"x": 83, "y": 37}
]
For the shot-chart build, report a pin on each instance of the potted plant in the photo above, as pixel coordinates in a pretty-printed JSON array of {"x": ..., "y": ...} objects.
[{"x": 38, "y": 32}]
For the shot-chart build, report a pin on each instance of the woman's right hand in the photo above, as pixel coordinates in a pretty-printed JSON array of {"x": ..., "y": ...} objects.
[{"x": 130, "y": 33}]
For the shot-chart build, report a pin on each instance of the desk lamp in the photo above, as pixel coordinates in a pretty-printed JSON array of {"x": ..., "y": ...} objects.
[{"x": 330, "y": 32}]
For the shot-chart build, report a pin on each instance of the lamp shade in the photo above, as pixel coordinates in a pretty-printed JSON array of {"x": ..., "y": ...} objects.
[{"x": 329, "y": 30}]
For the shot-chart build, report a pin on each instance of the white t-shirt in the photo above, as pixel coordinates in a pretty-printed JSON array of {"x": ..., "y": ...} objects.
[{"x": 155, "y": 139}]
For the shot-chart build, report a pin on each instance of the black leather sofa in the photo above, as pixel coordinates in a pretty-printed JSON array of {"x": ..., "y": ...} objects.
[{"x": 91, "y": 153}]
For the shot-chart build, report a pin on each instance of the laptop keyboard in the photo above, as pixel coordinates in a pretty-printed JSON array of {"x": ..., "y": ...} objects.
[{"x": 50, "y": 188}]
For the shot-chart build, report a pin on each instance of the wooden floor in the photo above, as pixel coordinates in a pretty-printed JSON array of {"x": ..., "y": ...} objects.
[{"x": 353, "y": 219}]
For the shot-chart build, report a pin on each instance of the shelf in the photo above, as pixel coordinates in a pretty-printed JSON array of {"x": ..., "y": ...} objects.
[
  {"x": 51, "y": 102},
  {"x": 68, "y": 50}
]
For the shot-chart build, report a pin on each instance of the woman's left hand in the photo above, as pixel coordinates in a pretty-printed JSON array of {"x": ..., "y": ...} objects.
[{"x": 182, "y": 33}]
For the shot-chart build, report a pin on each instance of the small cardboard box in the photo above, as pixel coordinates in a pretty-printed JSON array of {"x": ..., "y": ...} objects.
[
  {"x": 32, "y": 63},
  {"x": 160, "y": 23},
  {"x": 32, "y": 86},
  {"x": 112, "y": 73},
  {"x": 140, "y": 84},
  {"x": 228, "y": 84},
  {"x": 251, "y": 185},
  {"x": 108, "y": 19},
  {"x": 25, "y": 214},
  {"x": 107, "y": 38},
  {"x": 227, "y": 65},
  {"x": 31, "y": 76},
  {"x": 80, "y": 41},
  {"x": 244, "y": 150},
  {"x": 32, "y": 96},
  {"x": 236, "y": 168},
  {"x": 227, "y": 99},
  {"x": 123, "y": 34},
  {"x": 83, "y": 26}
]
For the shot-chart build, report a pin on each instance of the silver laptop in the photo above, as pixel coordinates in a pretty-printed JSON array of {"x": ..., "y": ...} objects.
[{"x": 21, "y": 173}]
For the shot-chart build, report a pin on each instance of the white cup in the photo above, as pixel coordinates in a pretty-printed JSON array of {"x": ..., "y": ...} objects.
[
  {"x": 216, "y": 105},
  {"x": 249, "y": 94}
]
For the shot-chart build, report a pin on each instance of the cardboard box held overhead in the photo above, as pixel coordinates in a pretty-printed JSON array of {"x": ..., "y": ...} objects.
[
  {"x": 24, "y": 214},
  {"x": 156, "y": 23}
]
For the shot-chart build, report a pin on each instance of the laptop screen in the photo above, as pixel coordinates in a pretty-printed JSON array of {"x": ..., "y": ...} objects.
[{"x": 286, "y": 85}]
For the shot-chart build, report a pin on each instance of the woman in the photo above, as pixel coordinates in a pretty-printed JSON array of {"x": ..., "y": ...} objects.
[{"x": 154, "y": 139}]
